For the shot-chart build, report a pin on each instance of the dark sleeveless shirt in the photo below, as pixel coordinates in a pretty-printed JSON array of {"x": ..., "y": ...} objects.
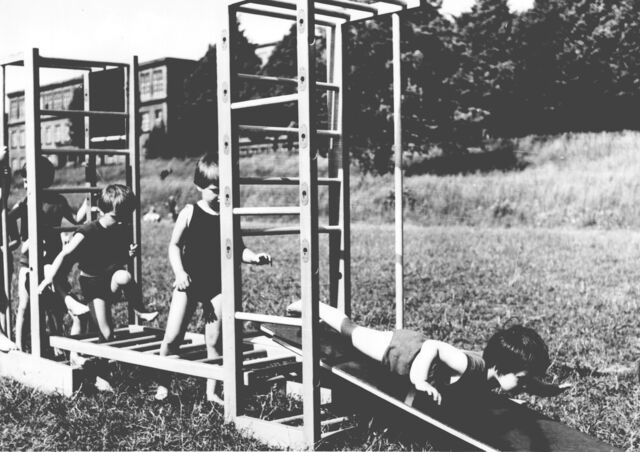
[
  {"x": 201, "y": 249},
  {"x": 103, "y": 248}
]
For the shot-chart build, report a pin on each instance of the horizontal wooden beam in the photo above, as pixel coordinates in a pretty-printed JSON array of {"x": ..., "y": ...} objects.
[
  {"x": 275, "y": 100},
  {"x": 261, "y": 11},
  {"x": 78, "y": 189},
  {"x": 55, "y": 151},
  {"x": 83, "y": 113},
  {"x": 67, "y": 63},
  {"x": 262, "y": 318},
  {"x": 285, "y": 230},
  {"x": 285, "y": 81},
  {"x": 285, "y": 181},
  {"x": 295, "y": 210}
]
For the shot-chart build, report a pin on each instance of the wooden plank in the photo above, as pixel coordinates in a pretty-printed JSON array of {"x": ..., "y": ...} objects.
[
  {"x": 309, "y": 265},
  {"x": 39, "y": 373},
  {"x": 250, "y": 354},
  {"x": 285, "y": 210},
  {"x": 32, "y": 135},
  {"x": 133, "y": 132},
  {"x": 274, "y": 434},
  {"x": 71, "y": 151},
  {"x": 229, "y": 223},
  {"x": 285, "y": 181},
  {"x": 75, "y": 189},
  {"x": 82, "y": 113},
  {"x": 193, "y": 368},
  {"x": 398, "y": 175},
  {"x": 4, "y": 195},
  {"x": 68, "y": 63},
  {"x": 278, "y": 14},
  {"x": 268, "y": 318},
  {"x": 132, "y": 341},
  {"x": 253, "y": 103}
]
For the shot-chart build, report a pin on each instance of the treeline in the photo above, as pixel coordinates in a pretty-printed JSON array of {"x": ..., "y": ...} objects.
[{"x": 564, "y": 65}]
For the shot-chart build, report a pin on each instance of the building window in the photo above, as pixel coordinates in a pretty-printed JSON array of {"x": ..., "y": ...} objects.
[
  {"x": 145, "y": 122},
  {"x": 48, "y": 135},
  {"x": 56, "y": 136},
  {"x": 145, "y": 85},
  {"x": 57, "y": 101},
  {"x": 159, "y": 115},
  {"x": 48, "y": 102},
  {"x": 66, "y": 98},
  {"x": 13, "y": 111},
  {"x": 158, "y": 83},
  {"x": 22, "y": 138},
  {"x": 14, "y": 139}
]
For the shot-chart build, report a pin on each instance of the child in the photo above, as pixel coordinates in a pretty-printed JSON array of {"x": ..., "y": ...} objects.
[
  {"x": 54, "y": 208},
  {"x": 101, "y": 248},
  {"x": 514, "y": 359},
  {"x": 194, "y": 254},
  {"x": 5, "y": 343}
]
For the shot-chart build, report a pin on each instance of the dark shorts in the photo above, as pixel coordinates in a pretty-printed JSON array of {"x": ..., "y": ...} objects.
[
  {"x": 203, "y": 292},
  {"x": 93, "y": 287},
  {"x": 402, "y": 350}
]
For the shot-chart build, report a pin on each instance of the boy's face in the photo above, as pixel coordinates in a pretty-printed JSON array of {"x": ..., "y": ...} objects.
[
  {"x": 511, "y": 381},
  {"x": 210, "y": 193}
]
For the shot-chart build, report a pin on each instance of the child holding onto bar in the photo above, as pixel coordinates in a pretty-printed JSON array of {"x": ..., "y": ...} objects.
[
  {"x": 194, "y": 254},
  {"x": 101, "y": 248},
  {"x": 5, "y": 343},
  {"x": 514, "y": 359},
  {"x": 54, "y": 207}
]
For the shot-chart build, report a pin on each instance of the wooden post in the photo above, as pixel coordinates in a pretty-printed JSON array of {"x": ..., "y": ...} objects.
[
  {"x": 5, "y": 188},
  {"x": 229, "y": 224},
  {"x": 398, "y": 176},
  {"x": 309, "y": 282},
  {"x": 131, "y": 107},
  {"x": 32, "y": 133}
]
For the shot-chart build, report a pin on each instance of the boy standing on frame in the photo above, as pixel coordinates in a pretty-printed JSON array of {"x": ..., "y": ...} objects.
[{"x": 194, "y": 254}]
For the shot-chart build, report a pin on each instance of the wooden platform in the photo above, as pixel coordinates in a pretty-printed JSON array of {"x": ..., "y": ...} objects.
[
  {"x": 139, "y": 345},
  {"x": 490, "y": 422},
  {"x": 40, "y": 373}
]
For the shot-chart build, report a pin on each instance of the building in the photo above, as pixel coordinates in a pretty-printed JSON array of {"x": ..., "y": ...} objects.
[
  {"x": 53, "y": 131},
  {"x": 161, "y": 92}
]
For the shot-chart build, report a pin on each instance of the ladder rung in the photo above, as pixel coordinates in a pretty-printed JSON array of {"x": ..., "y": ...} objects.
[
  {"x": 246, "y": 355},
  {"x": 287, "y": 98},
  {"x": 183, "y": 350},
  {"x": 66, "y": 113},
  {"x": 285, "y": 81},
  {"x": 284, "y": 230},
  {"x": 65, "y": 228},
  {"x": 282, "y": 15},
  {"x": 260, "y": 362},
  {"x": 85, "y": 151},
  {"x": 285, "y": 181},
  {"x": 350, "y": 5},
  {"x": 134, "y": 340},
  {"x": 262, "y": 318},
  {"x": 288, "y": 5},
  {"x": 72, "y": 189},
  {"x": 402, "y": 3},
  {"x": 64, "y": 63},
  {"x": 289, "y": 130},
  {"x": 266, "y": 210}
]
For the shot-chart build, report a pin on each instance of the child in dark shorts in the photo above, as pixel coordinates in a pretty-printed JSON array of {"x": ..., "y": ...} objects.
[
  {"x": 101, "y": 248},
  {"x": 194, "y": 254},
  {"x": 54, "y": 207},
  {"x": 514, "y": 359}
]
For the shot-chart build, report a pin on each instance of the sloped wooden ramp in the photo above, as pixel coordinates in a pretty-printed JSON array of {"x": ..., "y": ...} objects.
[{"x": 491, "y": 422}]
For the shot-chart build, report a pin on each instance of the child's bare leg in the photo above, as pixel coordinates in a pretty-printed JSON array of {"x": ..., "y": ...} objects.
[
  {"x": 23, "y": 305},
  {"x": 79, "y": 325},
  {"x": 122, "y": 279},
  {"x": 372, "y": 343},
  {"x": 180, "y": 313},
  {"x": 101, "y": 314},
  {"x": 212, "y": 333}
]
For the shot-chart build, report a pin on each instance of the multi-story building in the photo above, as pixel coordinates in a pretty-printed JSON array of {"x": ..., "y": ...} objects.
[
  {"x": 161, "y": 92},
  {"x": 53, "y": 131}
]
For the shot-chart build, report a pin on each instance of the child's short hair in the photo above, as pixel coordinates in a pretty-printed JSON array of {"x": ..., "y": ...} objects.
[
  {"x": 46, "y": 171},
  {"x": 117, "y": 198},
  {"x": 516, "y": 349},
  {"x": 207, "y": 172}
]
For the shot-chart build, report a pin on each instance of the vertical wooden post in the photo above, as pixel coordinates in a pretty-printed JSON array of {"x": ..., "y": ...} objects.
[
  {"x": 5, "y": 188},
  {"x": 133, "y": 133},
  {"x": 32, "y": 132},
  {"x": 398, "y": 175},
  {"x": 334, "y": 169},
  {"x": 309, "y": 282},
  {"x": 229, "y": 224}
]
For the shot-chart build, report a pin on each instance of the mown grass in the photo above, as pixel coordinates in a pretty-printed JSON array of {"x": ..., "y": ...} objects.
[{"x": 577, "y": 288}]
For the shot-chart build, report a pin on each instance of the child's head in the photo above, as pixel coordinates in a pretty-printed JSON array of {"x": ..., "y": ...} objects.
[
  {"x": 517, "y": 350},
  {"x": 46, "y": 171},
  {"x": 206, "y": 177},
  {"x": 117, "y": 199}
]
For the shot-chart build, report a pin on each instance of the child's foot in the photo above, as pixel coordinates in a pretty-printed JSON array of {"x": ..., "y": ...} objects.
[
  {"x": 146, "y": 316},
  {"x": 6, "y": 345},
  {"x": 76, "y": 361},
  {"x": 211, "y": 393},
  {"x": 103, "y": 385},
  {"x": 295, "y": 308},
  {"x": 161, "y": 393},
  {"x": 75, "y": 307}
]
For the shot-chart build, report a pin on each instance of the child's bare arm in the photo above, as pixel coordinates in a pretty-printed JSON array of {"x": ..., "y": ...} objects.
[
  {"x": 250, "y": 257},
  {"x": 62, "y": 257},
  {"x": 175, "y": 248},
  {"x": 68, "y": 214},
  {"x": 447, "y": 354}
]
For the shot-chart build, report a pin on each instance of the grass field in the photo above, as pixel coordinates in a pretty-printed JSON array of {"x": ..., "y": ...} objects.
[
  {"x": 553, "y": 246},
  {"x": 576, "y": 287}
]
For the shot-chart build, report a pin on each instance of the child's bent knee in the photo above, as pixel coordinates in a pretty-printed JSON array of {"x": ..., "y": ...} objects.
[{"x": 121, "y": 277}]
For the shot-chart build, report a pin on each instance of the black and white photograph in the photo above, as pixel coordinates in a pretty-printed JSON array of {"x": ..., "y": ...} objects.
[{"x": 320, "y": 225}]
